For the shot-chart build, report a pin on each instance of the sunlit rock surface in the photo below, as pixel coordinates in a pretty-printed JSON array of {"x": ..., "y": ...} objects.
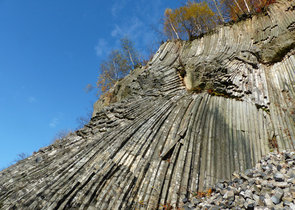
[{"x": 196, "y": 113}]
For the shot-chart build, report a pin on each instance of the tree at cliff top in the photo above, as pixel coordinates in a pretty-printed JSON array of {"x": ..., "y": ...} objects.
[
  {"x": 237, "y": 8},
  {"x": 118, "y": 64},
  {"x": 195, "y": 18},
  {"x": 130, "y": 53},
  {"x": 189, "y": 21}
]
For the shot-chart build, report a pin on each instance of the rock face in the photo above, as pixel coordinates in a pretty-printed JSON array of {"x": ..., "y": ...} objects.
[{"x": 196, "y": 113}]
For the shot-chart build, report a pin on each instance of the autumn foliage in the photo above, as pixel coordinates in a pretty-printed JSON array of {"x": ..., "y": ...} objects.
[
  {"x": 188, "y": 21},
  {"x": 196, "y": 18},
  {"x": 239, "y": 8},
  {"x": 204, "y": 194}
]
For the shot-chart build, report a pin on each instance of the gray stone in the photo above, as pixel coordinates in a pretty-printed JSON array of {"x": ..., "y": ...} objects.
[
  {"x": 256, "y": 198},
  {"x": 248, "y": 194},
  {"x": 279, "y": 167},
  {"x": 229, "y": 195},
  {"x": 38, "y": 159},
  {"x": 277, "y": 197},
  {"x": 281, "y": 184},
  {"x": 270, "y": 166},
  {"x": 270, "y": 185},
  {"x": 220, "y": 185},
  {"x": 186, "y": 207},
  {"x": 292, "y": 206},
  {"x": 273, "y": 51},
  {"x": 267, "y": 201},
  {"x": 249, "y": 173},
  {"x": 291, "y": 173},
  {"x": 214, "y": 208},
  {"x": 287, "y": 203},
  {"x": 195, "y": 201},
  {"x": 223, "y": 192},
  {"x": 287, "y": 198},
  {"x": 251, "y": 182},
  {"x": 279, "y": 177},
  {"x": 239, "y": 201}
]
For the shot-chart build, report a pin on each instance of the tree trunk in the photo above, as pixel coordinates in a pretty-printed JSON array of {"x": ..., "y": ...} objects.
[
  {"x": 239, "y": 6},
  {"x": 247, "y": 6},
  {"x": 131, "y": 59},
  {"x": 174, "y": 29},
  {"x": 218, "y": 11}
]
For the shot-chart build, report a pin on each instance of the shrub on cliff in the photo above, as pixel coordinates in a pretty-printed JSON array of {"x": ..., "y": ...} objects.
[{"x": 117, "y": 65}]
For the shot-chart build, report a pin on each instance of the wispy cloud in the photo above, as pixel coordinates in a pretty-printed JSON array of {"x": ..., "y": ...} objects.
[
  {"x": 101, "y": 47},
  {"x": 139, "y": 21},
  {"x": 131, "y": 29},
  {"x": 32, "y": 99},
  {"x": 54, "y": 122},
  {"x": 118, "y": 6},
  {"x": 116, "y": 31},
  {"x": 135, "y": 28}
]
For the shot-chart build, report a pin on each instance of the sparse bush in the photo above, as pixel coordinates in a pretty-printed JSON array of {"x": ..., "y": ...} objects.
[
  {"x": 118, "y": 64},
  {"x": 61, "y": 135},
  {"x": 21, "y": 156}
]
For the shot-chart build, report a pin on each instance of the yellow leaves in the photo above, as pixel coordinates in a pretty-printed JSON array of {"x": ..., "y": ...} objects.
[
  {"x": 194, "y": 18},
  {"x": 189, "y": 20},
  {"x": 193, "y": 10},
  {"x": 168, "y": 12}
]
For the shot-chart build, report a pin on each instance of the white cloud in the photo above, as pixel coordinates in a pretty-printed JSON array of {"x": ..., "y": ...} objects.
[
  {"x": 32, "y": 99},
  {"x": 54, "y": 122},
  {"x": 101, "y": 47}
]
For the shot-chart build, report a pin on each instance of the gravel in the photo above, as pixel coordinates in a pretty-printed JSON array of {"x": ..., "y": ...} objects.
[{"x": 269, "y": 185}]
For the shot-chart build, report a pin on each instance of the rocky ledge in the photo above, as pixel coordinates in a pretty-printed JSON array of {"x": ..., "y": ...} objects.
[{"x": 269, "y": 185}]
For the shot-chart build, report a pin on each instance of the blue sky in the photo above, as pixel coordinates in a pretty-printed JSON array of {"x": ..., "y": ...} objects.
[{"x": 50, "y": 51}]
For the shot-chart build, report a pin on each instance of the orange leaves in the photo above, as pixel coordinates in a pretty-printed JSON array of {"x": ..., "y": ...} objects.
[
  {"x": 240, "y": 7},
  {"x": 167, "y": 206},
  {"x": 259, "y": 5},
  {"x": 204, "y": 194}
]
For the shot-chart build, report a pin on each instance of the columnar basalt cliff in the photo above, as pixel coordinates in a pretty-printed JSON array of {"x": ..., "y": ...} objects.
[{"x": 196, "y": 113}]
